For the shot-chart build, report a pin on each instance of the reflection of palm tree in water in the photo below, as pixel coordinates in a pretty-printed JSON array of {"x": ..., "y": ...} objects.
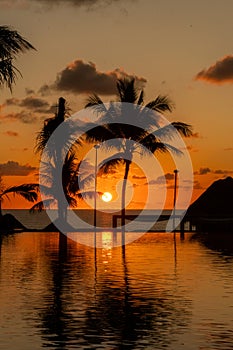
[
  {"x": 53, "y": 316},
  {"x": 58, "y": 325},
  {"x": 117, "y": 312},
  {"x": 123, "y": 315}
]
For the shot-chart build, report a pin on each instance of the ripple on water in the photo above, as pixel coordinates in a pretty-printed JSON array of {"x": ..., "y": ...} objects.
[{"x": 156, "y": 293}]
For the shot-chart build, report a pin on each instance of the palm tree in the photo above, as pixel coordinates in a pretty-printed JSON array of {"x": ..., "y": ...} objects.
[
  {"x": 74, "y": 180},
  {"x": 137, "y": 134},
  {"x": 56, "y": 152},
  {"x": 11, "y": 44},
  {"x": 27, "y": 191}
]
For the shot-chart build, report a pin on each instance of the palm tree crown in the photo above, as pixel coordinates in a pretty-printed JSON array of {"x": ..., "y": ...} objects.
[
  {"x": 74, "y": 180},
  {"x": 129, "y": 127},
  {"x": 11, "y": 44},
  {"x": 27, "y": 191}
]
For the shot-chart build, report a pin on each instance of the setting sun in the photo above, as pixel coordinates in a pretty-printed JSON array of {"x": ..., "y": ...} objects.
[{"x": 106, "y": 196}]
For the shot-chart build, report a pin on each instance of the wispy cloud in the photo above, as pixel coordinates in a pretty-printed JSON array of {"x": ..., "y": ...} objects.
[
  {"x": 11, "y": 133},
  {"x": 197, "y": 186},
  {"x": 204, "y": 171},
  {"x": 89, "y": 4},
  {"x": 139, "y": 177},
  {"x": 30, "y": 102},
  {"x": 23, "y": 117},
  {"x": 81, "y": 77},
  {"x": 161, "y": 180},
  {"x": 223, "y": 172},
  {"x": 17, "y": 149},
  {"x": 207, "y": 170},
  {"x": 28, "y": 110},
  {"x": 12, "y": 168},
  {"x": 220, "y": 72}
]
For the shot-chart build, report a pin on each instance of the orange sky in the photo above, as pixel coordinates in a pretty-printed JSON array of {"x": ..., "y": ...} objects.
[{"x": 182, "y": 49}]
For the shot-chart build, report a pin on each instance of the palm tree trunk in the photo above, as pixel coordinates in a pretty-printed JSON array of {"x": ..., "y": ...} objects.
[
  {"x": 1, "y": 208},
  {"x": 123, "y": 193},
  {"x": 61, "y": 109},
  {"x": 59, "y": 161}
]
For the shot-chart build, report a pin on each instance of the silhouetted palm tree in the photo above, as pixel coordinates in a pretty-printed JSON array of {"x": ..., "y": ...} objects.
[
  {"x": 56, "y": 153},
  {"x": 11, "y": 44},
  {"x": 50, "y": 125},
  {"x": 27, "y": 191},
  {"x": 74, "y": 180},
  {"x": 138, "y": 134}
]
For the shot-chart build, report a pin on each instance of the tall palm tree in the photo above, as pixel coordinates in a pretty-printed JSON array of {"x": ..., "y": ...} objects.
[
  {"x": 50, "y": 125},
  {"x": 74, "y": 180},
  {"x": 135, "y": 136},
  {"x": 27, "y": 191},
  {"x": 11, "y": 44},
  {"x": 56, "y": 154}
]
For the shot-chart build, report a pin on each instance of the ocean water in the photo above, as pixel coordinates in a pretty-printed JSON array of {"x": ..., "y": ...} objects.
[
  {"x": 104, "y": 219},
  {"x": 159, "y": 292}
]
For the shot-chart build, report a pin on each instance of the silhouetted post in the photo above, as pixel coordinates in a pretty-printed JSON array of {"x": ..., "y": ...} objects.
[{"x": 174, "y": 199}]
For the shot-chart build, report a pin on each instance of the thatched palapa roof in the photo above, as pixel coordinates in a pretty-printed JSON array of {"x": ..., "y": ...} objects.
[{"x": 215, "y": 202}]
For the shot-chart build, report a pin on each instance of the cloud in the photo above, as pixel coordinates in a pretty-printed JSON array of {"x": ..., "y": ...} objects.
[
  {"x": 45, "y": 90},
  {"x": 29, "y": 91},
  {"x": 138, "y": 177},
  {"x": 161, "y": 180},
  {"x": 219, "y": 73},
  {"x": 12, "y": 168},
  {"x": 197, "y": 186},
  {"x": 19, "y": 149},
  {"x": 24, "y": 117},
  {"x": 228, "y": 149},
  {"x": 224, "y": 172},
  {"x": 29, "y": 102},
  {"x": 11, "y": 133},
  {"x": 78, "y": 3},
  {"x": 204, "y": 171},
  {"x": 34, "y": 103},
  {"x": 50, "y": 3},
  {"x": 81, "y": 77}
]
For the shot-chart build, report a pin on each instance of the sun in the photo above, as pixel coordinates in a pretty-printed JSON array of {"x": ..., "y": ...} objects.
[{"x": 106, "y": 196}]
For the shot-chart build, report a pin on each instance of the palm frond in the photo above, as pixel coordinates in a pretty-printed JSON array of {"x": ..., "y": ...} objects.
[
  {"x": 8, "y": 73},
  {"x": 86, "y": 181},
  {"x": 184, "y": 129},
  {"x": 95, "y": 102},
  {"x": 42, "y": 205},
  {"x": 27, "y": 191},
  {"x": 47, "y": 190},
  {"x": 88, "y": 194},
  {"x": 127, "y": 90},
  {"x": 153, "y": 145},
  {"x": 141, "y": 98},
  {"x": 165, "y": 132},
  {"x": 161, "y": 104},
  {"x": 98, "y": 133},
  {"x": 11, "y": 44},
  {"x": 111, "y": 163},
  {"x": 71, "y": 201}
]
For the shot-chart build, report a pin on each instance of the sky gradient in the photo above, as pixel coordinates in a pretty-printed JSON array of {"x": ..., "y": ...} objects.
[{"x": 180, "y": 48}]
